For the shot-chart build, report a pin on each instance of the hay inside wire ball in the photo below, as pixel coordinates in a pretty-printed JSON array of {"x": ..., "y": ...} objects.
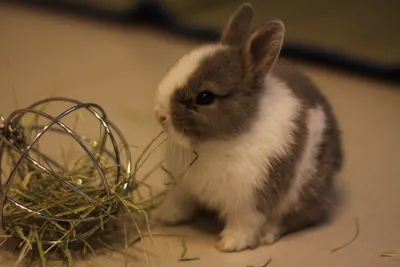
[{"x": 49, "y": 198}]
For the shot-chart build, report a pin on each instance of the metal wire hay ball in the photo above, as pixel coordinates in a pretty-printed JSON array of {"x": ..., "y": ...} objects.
[{"x": 51, "y": 199}]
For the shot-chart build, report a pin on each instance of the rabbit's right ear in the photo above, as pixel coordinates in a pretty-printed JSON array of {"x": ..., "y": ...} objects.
[{"x": 238, "y": 27}]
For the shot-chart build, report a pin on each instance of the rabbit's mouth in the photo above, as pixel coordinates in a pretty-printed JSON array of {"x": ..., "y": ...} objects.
[{"x": 179, "y": 137}]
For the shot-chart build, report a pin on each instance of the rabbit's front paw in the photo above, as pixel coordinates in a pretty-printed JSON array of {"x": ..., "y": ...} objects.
[
  {"x": 271, "y": 235},
  {"x": 236, "y": 241}
]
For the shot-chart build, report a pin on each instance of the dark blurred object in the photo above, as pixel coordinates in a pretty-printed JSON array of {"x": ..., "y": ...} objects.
[{"x": 307, "y": 39}]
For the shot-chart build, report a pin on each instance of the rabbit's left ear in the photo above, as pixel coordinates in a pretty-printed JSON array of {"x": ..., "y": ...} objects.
[
  {"x": 237, "y": 30},
  {"x": 263, "y": 47}
]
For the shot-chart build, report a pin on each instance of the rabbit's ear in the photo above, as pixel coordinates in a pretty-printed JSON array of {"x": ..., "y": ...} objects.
[
  {"x": 263, "y": 48},
  {"x": 238, "y": 27}
]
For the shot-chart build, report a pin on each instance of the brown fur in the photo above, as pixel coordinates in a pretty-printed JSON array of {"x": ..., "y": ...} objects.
[
  {"x": 282, "y": 171},
  {"x": 225, "y": 74},
  {"x": 236, "y": 76},
  {"x": 263, "y": 48},
  {"x": 319, "y": 196},
  {"x": 237, "y": 30}
]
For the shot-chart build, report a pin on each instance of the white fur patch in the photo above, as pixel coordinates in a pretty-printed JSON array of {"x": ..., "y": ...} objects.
[
  {"x": 316, "y": 125},
  {"x": 227, "y": 172},
  {"x": 179, "y": 75}
]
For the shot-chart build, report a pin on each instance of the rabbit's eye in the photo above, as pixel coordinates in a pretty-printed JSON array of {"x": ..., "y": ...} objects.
[{"x": 205, "y": 98}]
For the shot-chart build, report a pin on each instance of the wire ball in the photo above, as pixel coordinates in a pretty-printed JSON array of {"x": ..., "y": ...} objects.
[{"x": 40, "y": 195}]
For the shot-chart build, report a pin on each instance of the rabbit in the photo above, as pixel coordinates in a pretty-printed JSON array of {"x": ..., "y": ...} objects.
[{"x": 267, "y": 141}]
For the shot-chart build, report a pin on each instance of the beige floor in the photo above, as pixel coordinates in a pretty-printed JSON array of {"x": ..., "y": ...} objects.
[{"x": 119, "y": 68}]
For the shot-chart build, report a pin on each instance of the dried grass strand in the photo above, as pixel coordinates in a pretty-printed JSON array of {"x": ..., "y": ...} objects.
[{"x": 355, "y": 236}]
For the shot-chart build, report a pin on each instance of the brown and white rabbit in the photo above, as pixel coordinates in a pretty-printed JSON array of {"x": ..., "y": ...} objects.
[{"x": 267, "y": 140}]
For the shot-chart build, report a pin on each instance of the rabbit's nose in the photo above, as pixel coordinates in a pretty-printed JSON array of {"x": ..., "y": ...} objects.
[{"x": 162, "y": 118}]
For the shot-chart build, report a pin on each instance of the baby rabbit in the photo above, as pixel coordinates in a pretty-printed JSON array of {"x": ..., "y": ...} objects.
[{"x": 267, "y": 141}]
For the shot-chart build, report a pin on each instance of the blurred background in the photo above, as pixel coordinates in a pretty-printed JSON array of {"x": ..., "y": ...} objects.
[{"x": 354, "y": 35}]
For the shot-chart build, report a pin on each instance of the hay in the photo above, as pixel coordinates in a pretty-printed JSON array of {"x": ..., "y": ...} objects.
[
  {"x": 264, "y": 265},
  {"x": 355, "y": 236},
  {"x": 43, "y": 235},
  {"x": 183, "y": 256},
  {"x": 395, "y": 254},
  {"x": 58, "y": 210}
]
